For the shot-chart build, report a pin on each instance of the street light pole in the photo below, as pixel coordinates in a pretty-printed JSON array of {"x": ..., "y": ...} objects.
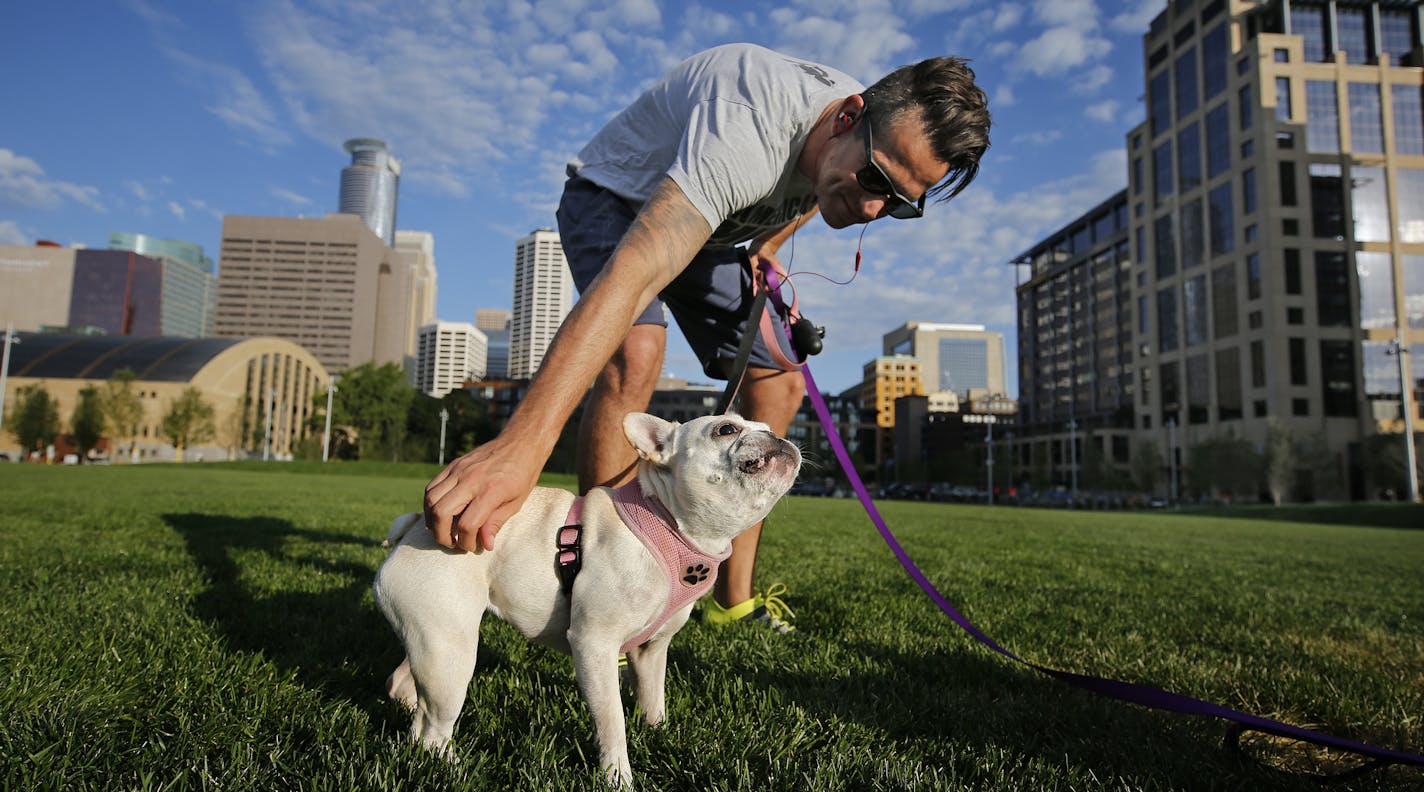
[
  {"x": 5, "y": 370},
  {"x": 1398, "y": 348},
  {"x": 989, "y": 461},
  {"x": 444, "y": 416},
  {"x": 1172, "y": 455},
  {"x": 326, "y": 436}
]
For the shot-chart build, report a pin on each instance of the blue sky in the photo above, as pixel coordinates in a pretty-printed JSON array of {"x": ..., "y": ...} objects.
[{"x": 159, "y": 118}]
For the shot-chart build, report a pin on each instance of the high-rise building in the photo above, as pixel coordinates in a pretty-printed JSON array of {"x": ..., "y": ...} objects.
[
  {"x": 959, "y": 358},
  {"x": 1075, "y": 337},
  {"x": 494, "y": 323},
  {"x": 36, "y": 282},
  {"x": 189, "y": 295},
  {"x": 118, "y": 292},
  {"x": 543, "y": 296},
  {"x": 328, "y": 284},
  {"x": 448, "y": 355},
  {"x": 1275, "y": 209},
  {"x": 884, "y": 380},
  {"x": 370, "y": 186}
]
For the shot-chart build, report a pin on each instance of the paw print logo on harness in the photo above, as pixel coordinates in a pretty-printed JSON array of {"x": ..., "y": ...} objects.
[{"x": 694, "y": 574}]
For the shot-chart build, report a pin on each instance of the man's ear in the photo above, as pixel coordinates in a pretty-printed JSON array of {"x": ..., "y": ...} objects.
[
  {"x": 848, "y": 113},
  {"x": 651, "y": 436}
]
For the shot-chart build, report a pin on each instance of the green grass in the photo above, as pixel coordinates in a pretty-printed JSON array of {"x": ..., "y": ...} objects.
[{"x": 212, "y": 626}]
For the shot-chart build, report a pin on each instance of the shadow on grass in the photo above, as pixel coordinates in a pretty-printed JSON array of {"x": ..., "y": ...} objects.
[{"x": 1404, "y": 516}]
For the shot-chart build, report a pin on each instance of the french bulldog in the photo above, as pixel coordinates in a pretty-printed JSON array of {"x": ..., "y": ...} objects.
[{"x": 710, "y": 479}]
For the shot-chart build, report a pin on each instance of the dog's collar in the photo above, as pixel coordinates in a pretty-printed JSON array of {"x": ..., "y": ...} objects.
[{"x": 689, "y": 571}]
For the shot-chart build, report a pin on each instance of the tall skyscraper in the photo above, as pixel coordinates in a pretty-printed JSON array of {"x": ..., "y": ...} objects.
[
  {"x": 884, "y": 380},
  {"x": 370, "y": 186},
  {"x": 448, "y": 354},
  {"x": 328, "y": 284},
  {"x": 953, "y": 357},
  {"x": 494, "y": 323},
  {"x": 543, "y": 296},
  {"x": 1275, "y": 214},
  {"x": 189, "y": 297}
]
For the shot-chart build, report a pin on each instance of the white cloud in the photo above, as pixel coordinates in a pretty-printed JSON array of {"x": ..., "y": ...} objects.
[
  {"x": 1105, "y": 111},
  {"x": 1037, "y": 137},
  {"x": 1138, "y": 16},
  {"x": 23, "y": 184},
  {"x": 291, "y": 197},
  {"x": 10, "y": 234},
  {"x": 1074, "y": 14},
  {"x": 176, "y": 209},
  {"x": 1061, "y": 48},
  {"x": 1092, "y": 80}
]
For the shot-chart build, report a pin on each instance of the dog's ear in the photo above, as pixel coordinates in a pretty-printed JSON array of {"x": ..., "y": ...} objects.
[{"x": 650, "y": 435}]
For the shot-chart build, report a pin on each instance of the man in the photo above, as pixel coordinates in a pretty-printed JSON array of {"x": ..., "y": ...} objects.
[{"x": 738, "y": 144}]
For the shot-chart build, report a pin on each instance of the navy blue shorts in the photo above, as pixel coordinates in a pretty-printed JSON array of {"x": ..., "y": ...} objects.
[{"x": 709, "y": 300}]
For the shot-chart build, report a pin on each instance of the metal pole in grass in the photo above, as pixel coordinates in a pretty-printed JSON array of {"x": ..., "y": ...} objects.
[
  {"x": 326, "y": 436},
  {"x": 5, "y": 369},
  {"x": 267, "y": 433},
  {"x": 444, "y": 416},
  {"x": 989, "y": 462},
  {"x": 1399, "y": 349}
]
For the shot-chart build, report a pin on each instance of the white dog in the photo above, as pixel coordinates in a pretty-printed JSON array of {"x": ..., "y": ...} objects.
[{"x": 646, "y": 551}]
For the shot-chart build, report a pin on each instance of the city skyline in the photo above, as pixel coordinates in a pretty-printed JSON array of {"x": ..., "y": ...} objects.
[{"x": 483, "y": 112}]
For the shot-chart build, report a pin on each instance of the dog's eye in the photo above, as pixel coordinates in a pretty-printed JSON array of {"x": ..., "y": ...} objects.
[{"x": 726, "y": 429}]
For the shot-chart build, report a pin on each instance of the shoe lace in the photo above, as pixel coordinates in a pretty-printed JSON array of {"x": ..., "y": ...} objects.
[{"x": 774, "y": 604}]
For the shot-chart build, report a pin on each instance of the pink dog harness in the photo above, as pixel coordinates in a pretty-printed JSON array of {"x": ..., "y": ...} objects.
[{"x": 690, "y": 572}]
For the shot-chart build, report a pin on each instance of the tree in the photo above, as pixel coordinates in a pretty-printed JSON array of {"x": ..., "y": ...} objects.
[
  {"x": 121, "y": 407},
  {"x": 35, "y": 417},
  {"x": 189, "y": 420},
  {"x": 1385, "y": 465},
  {"x": 1147, "y": 466},
  {"x": 1278, "y": 460},
  {"x": 86, "y": 424},
  {"x": 373, "y": 400},
  {"x": 233, "y": 429},
  {"x": 1226, "y": 464},
  {"x": 469, "y": 424}
]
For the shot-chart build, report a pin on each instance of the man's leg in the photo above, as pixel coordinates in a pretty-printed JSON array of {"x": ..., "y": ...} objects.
[
  {"x": 625, "y": 385},
  {"x": 771, "y": 396}
]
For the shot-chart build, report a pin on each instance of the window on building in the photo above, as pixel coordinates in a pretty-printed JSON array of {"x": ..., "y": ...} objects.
[
  {"x": 1408, "y": 119},
  {"x": 1166, "y": 320},
  {"x": 1193, "y": 241},
  {"x": 1224, "y": 322},
  {"x": 1337, "y": 378},
  {"x": 1380, "y": 370},
  {"x": 1248, "y": 190},
  {"x": 1322, "y": 117},
  {"x": 1144, "y": 376},
  {"x": 1409, "y": 187},
  {"x": 1300, "y": 407},
  {"x": 1244, "y": 107},
  {"x": 1258, "y": 364},
  {"x": 1194, "y": 305},
  {"x": 1414, "y": 296},
  {"x": 1292, "y": 270},
  {"x": 1248, "y": 147},
  {"x": 1184, "y": 70},
  {"x": 1327, "y": 201},
  {"x": 1332, "y": 289},
  {"x": 1214, "y": 61},
  {"x": 1369, "y": 204},
  {"x": 1298, "y": 375},
  {"x": 1283, "y": 98},
  {"x": 1159, "y": 93},
  {"x": 1253, "y": 278},
  {"x": 1366, "y": 118},
  {"x": 1198, "y": 389},
  {"x": 1396, "y": 33},
  {"x": 1308, "y": 22},
  {"x": 1218, "y": 140},
  {"x": 1162, "y": 171},
  {"x": 1250, "y": 234},
  {"x": 1164, "y": 246},
  {"x": 1170, "y": 377},
  {"x": 1376, "y": 276},
  {"x": 1228, "y": 384},
  {"x": 1295, "y": 316},
  {"x": 1142, "y": 326},
  {"x": 1290, "y": 227},
  {"x": 1189, "y": 170},
  {"x": 1351, "y": 36},
  {"x": 1287, "y": 179},
  {"x": 1223, "y": 230}
]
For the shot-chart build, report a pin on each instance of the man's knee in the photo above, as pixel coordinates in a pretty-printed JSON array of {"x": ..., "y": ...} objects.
[{"x": 638, "y": 362}]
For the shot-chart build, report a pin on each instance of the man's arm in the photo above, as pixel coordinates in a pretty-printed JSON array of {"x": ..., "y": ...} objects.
[{"x": 472, "y": 498}]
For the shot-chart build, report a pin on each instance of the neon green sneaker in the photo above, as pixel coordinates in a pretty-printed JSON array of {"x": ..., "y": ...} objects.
[{"x": 766, "y": 607}]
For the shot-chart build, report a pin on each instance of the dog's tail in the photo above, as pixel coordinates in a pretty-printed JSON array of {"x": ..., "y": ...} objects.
[{"x": 401, "y": 526}]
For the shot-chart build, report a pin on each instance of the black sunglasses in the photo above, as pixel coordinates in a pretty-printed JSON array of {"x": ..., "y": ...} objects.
[{"x": 873, "y": 180}]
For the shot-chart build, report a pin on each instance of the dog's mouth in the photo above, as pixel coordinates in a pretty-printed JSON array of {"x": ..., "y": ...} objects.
[{"x": 754, "y": 465}]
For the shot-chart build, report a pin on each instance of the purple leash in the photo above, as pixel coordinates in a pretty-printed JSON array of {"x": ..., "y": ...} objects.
[{"x": 1123, "y": 691}]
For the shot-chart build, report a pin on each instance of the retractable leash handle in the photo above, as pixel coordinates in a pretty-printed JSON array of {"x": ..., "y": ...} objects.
[{"x": 1143, "y": 695}]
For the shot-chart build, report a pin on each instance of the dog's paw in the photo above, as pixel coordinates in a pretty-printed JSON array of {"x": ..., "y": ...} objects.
[{"x": 695, "y": 573}]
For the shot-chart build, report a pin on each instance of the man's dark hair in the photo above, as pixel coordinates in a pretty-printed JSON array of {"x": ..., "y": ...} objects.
[{"x": 954, "y": 112}]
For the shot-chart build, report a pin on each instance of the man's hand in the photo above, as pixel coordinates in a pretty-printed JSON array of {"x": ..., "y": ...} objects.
[{"x": 475, "y": 495}]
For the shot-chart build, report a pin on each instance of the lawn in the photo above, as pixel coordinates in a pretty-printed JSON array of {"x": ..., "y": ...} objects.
[{"x": 211, "y": 626}]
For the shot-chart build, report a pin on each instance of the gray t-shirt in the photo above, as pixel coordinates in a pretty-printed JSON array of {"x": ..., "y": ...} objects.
[{"x": 728, "y": 125}]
